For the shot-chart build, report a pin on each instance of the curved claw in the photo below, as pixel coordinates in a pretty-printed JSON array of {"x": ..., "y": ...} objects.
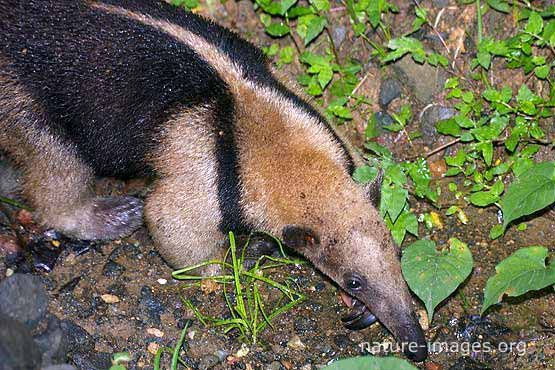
[{"x": 359, "y": 317}]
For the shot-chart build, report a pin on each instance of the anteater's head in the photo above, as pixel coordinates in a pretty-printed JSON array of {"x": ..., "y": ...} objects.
[
  {"x": 296, "y": 183},
  {"x": 350, "y": 243}
]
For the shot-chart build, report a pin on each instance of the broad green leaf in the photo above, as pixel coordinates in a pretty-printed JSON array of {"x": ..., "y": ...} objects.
[
  {"x": 499, "y": 5},
  {"x": 535, "y": 23},
  {"x": 534, "y": 189},
  {"x": 365, "y": 174},
  {"x": 286, "y": 55},
  {"x": 310, "y": 26},
  {"x": 433, "y": 274},
  {"x": 483, "y": 198},
  {"x": 521, "y": 272},
  {"x": 321, "y": 5},
  {"x": 448, "y": 127},
  {"x": 277, "y": 29},
  {"x": 371, "y": 363},
  {"x": 406, "y": 222},
  {"x": 496, "y": 232},
  {"x": 542, "y": 71},
  {"x": 393, "y": 200}
]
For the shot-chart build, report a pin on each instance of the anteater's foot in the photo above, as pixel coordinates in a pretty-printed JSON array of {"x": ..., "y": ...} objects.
[{"x": 105, "y": 218}]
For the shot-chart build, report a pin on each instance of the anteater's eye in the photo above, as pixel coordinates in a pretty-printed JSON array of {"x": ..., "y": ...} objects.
[{"x": 353, "y": 282}]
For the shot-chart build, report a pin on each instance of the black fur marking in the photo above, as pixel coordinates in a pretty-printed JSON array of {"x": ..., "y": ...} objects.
[
  {"x": 240, "y": 51},
  {"x": 229, "y": 191}
]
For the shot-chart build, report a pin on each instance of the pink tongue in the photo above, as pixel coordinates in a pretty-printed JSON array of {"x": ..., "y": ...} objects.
[{"x": 347, "y": 299}]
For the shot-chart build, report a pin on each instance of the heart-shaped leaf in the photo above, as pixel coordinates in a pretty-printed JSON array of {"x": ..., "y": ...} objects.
[
  {"x": 521, "y": 272},
  {"x": 434, "y": 274}
]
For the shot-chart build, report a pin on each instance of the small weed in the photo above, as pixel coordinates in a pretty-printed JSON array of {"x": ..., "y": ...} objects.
[
  {"x": 249, "y": 311},
  {"x": 119, "y": 360},
  {"x": 174, "y": 352}
]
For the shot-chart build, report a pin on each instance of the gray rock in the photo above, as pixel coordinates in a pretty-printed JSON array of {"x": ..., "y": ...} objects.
[
  {"x": 59, "y": 367},
  {"x": 24, "y": 298},
  {"x": 151, "y": 305},
  {"x": 53, "y": 343},
  {"x": 18, "y": 351},
  {"x": 429, "y": 120},
  {"x": 424, "y": 80},
  {"x": 112, "y": 268},
  {"x": 389, "y": 90},
  {"x": 92, "y": 361},
  {"x": 383, "y": 119},
  {"x": 78, "y": 339},
  {"x": 338, "y": 35}
]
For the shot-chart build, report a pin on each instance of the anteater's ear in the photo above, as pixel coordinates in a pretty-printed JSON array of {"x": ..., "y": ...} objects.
[
  {"x": 373, "y": 189},
  {"x": 299, "y": 237}
]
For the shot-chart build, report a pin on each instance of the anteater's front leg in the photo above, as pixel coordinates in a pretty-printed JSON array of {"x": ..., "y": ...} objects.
[
  {"x": 56, "y": 180},
  {"x": 182, "y": 210}
]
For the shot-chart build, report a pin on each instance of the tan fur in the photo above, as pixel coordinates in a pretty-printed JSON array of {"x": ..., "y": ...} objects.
[
  {"x": 55, "y": 180},
  {"x": 182, "y": 211}
]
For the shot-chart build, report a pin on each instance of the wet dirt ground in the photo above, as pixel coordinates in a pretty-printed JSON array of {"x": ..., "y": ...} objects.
[{"x": 122, "y": 294}]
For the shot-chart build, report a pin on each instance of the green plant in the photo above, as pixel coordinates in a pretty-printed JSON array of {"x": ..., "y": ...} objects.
[
  {"x": 175, "y": 359},
  {"x": 523, "y": 271},
  {"x": 248, "y": 309},
  {"x": 371, "y": 362},
  {"x": 433, "y": 274},
  {"x": 119, "y": 360}
]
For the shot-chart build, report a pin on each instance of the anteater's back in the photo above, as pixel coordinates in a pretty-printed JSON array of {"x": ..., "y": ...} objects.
[{"x": 106, "y": 81}]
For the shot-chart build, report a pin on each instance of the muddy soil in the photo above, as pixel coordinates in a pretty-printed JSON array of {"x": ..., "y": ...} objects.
[{"x": 119, "y": 296}]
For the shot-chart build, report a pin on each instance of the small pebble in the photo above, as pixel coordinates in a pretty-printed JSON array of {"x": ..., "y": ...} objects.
[
  {"x": 243, "y": 351},
  {"x": 110, "y": 298},
  {"x": 162, "y": 281},
  {"x": 287, "y": 364},
  {"x": 295, "y": 343},
  {"x": 156, "y": 332},
  {"x": 423, "y": 319},
  {"x": 153, "y": 348},
  {"x": 9, "y": 272}
]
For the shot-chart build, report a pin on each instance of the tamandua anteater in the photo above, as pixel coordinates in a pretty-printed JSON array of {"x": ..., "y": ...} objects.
[{"x": 140, "y": 88}]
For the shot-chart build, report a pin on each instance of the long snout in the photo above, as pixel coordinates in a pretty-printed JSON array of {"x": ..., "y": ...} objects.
[{"x": 397, "y": 314}]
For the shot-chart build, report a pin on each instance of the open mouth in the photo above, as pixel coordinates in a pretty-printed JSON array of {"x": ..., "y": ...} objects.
[{"x": 359, "y": 317}]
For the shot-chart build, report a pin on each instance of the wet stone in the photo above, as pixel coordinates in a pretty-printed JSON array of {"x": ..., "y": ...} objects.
[
  {"x": 151, "y": 305},
  {"x": 92, "y": 361},
  {"x": 17, "y": 348},
  {"x": 59, "y": 367},
  {"x": 383, "y": 119},
  {"x": 78, "y": 339},
  {"x": 320, "y": 286},
  {"x": 474, "y": 327},
  {"x": 24, "y": 298},
  {"x": 53, "y": 342},
  {"x": 341, "y": 341},
  {"x": 389, "y": 90},
  {"x": 338, "y": 35},
  {"x": 113, "y": 269},
  {"x": 429, "y": 120},
  {"x": 425, "y": 81}
]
